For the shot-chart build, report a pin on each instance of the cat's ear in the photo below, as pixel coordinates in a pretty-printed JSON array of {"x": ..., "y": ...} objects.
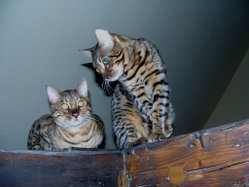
[
  {"x": 119, "y": 38},
  {"x": 88, "y": 52},
  {"x": 82, "y": 88},
  {"x": 53, "y": 94},
  {"x": 105, "y": 39}
]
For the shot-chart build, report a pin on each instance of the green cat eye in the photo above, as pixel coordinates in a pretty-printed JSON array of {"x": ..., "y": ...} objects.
[
  {"x": 106, "y": 60},
  {"x": 65, "y": 106},
  {"x": 80, "y": 103}
]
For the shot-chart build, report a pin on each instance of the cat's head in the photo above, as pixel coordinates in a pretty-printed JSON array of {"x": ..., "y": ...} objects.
[
  {"x": 109, "y": 55},
  {"x": 69, "y": 108}
]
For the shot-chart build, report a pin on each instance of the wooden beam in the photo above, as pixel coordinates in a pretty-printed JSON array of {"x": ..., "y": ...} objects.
[{"x": 77, "y": 168}]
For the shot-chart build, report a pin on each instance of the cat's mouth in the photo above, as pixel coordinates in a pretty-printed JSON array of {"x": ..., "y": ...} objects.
[
  {"x": 77, "y": 122},
  {"x": 114, "y": 77}
]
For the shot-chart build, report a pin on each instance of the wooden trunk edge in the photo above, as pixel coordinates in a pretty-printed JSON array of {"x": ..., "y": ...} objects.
[
  {"x": 211, "y": 157},
  {"x": 218, "y": 129}
]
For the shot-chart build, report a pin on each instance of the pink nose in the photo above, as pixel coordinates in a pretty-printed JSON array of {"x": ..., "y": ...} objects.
[{"x": 75, "y": 114}]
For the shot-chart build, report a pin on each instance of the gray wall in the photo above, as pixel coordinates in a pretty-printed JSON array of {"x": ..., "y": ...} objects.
[
  {"x": 202, "y": 43},
  {"x": 234, "y": 104}
]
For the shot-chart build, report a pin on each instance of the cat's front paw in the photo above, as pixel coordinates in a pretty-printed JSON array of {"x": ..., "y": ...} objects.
[
  {"x": 168, "y": 130},
  {"x": 69, "y": 149},
  {"x": 139, "y": 141},
  {"x": 157, "y": 136}
]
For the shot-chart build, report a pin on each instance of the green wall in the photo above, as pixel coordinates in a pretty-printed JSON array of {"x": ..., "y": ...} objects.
[
  {"x": 202, "y": 43},
  {"x": 234, "y": 104}
]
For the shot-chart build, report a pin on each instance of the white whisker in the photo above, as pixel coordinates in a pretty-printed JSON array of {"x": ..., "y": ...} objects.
[
  {"x": 111, "y": 89},
  {"x": 107, "y": 87}
]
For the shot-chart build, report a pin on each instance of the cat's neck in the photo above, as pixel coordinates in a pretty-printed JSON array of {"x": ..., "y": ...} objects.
[{"x": 74, "y": 136}]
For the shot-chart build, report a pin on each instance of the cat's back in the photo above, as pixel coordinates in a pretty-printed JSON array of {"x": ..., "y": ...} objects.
[
  {"x": 41, "y": 127},
  {"x": 99, "y": 123},
  {"x": 98, "y": 131},
  {"x": 44, "y": 123}
]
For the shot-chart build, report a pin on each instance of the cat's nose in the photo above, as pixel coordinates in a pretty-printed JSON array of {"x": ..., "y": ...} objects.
[
  {"x": 75, "y": 113},
  {"x": 105, "y": 76}
]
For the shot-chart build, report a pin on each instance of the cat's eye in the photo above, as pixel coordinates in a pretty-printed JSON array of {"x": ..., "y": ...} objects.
[
  {"x": 80, "y": 103},
  {"x": 65, "y": 106},
  {"x": 106, "y": 60}
]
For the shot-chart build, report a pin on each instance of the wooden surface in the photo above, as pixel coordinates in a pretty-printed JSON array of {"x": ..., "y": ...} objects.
[
  {"x": 60, "y": 169},
  {"x": 212, "y": 157}
]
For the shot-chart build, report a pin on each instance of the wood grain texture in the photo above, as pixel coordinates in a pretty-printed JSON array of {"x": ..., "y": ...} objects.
[
  {"x": 214, "y": 157},
  {"x": 60, "y": 169}
]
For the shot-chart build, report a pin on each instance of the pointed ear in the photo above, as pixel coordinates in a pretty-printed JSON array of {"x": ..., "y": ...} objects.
[
  {"x": 53, "y": 94},
  {"x": 82, "y": 88},
  {"x": 88, "y": 52},
  {"x": 105, "y": 39},
  {"x": 119, "y": 38}
]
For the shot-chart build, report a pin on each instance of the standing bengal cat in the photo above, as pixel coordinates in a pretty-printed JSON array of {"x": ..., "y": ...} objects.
[
  {"x": 141, "y": 108},
  {"x": 71, "y": 124}
]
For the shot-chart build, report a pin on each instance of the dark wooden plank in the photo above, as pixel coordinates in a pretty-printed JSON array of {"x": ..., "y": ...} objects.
[
  {"x": 214, "y": 157},
  {"x": 29, "y": 168}
]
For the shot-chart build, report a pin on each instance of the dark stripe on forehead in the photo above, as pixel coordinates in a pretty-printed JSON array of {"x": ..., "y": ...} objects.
[
  {"x": 116, "y": 55},
  {"x": 121, "y": 59},
  {"x": 67, "y": 92},
  {"x": 70, "y": 94}
]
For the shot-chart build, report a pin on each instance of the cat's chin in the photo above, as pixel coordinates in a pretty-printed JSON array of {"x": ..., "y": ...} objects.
[
  {"x": 71, "y": 124},
  {"x": 76, "y": 123},
  {"x": 113, "y": 79}
]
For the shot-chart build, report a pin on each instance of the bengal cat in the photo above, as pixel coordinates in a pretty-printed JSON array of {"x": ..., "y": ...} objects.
[
  {"x": 141, "y": 109},
  {"x": 71, "y": 124}
]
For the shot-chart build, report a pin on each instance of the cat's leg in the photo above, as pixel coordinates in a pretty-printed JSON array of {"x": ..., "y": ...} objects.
[
  {"x": 142, "y": 100},
  {"x": 170, "y": 120},
  {"x": 153, "y": 101},
  {"x": 162, "y": 111},
  {"x": 127, "y": 135},
  {"x": 127, "y": 122}
]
